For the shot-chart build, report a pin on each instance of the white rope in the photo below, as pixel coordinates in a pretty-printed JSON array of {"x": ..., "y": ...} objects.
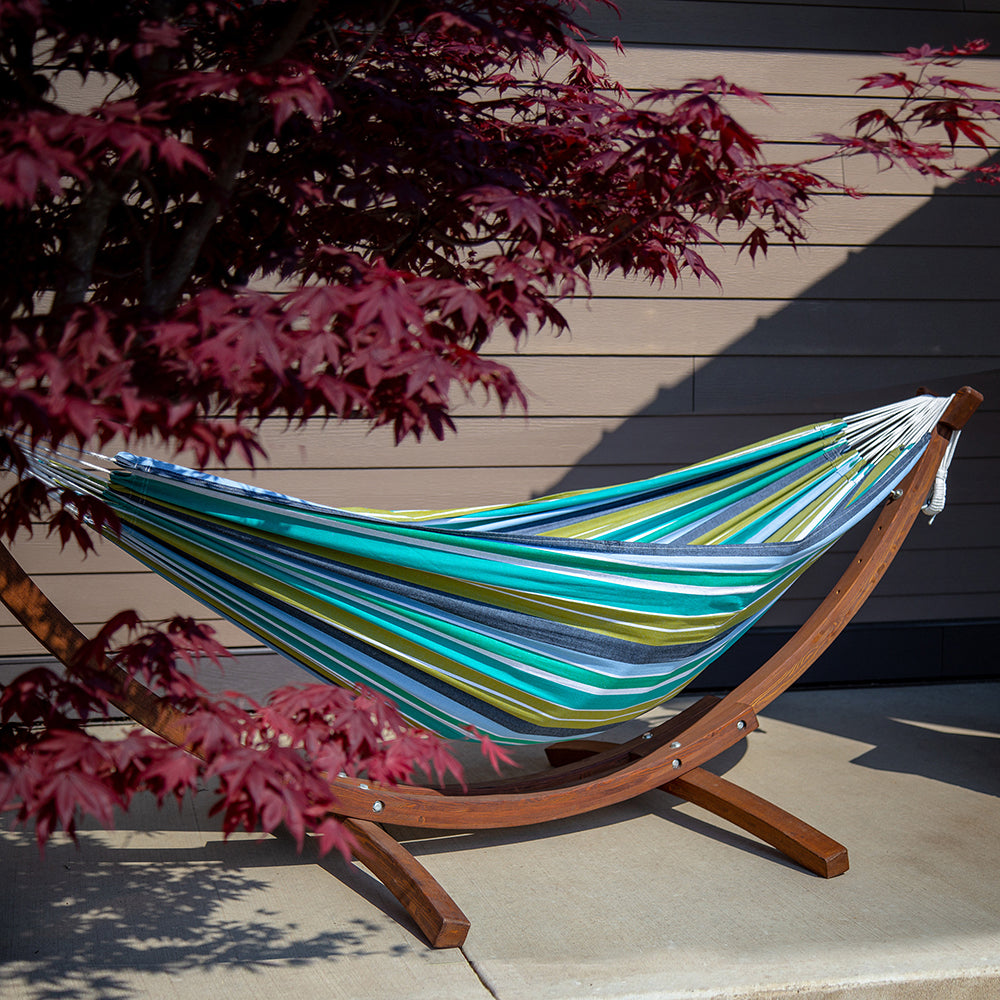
[
  {"x": 67, "y": 468},
  {"x": 935, "y": 502},
  {"x": 900, "y": 425},
  {"x": 877, "y": 432}
]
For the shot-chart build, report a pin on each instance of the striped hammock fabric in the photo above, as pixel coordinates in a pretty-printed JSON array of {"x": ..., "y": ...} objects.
[{"x": 532, "y": 622}]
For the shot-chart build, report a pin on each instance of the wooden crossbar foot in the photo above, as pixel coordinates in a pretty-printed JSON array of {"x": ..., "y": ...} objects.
[
  {"x": 797, "y": 840},
  {"x": 434, "y": 911}
]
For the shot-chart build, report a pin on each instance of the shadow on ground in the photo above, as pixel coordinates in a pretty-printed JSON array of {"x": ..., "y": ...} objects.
[{"x": 81, "y": 921}]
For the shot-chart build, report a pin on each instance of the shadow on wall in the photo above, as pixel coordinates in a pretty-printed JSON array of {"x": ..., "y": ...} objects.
[{"x": 916, "y": 308}]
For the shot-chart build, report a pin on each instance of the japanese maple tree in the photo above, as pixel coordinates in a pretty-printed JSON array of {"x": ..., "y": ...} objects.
[{"x": 215, "y": 212}]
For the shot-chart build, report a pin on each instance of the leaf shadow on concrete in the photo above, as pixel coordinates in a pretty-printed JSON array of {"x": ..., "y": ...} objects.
[{"x": 84, "y": 921}]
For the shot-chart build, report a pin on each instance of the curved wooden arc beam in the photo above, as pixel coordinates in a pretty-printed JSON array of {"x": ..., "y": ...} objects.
[
  {"x": 33, "y": 609},
  {"x": 725, "y": 724}
]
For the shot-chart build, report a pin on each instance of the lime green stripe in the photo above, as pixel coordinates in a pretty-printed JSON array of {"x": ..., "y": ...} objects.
[{"x": 690, "y": 505}]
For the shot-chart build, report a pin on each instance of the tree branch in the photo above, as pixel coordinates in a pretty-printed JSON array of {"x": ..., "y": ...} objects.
[
  {"x": 83, "y": 239},
  {"x": 165, "y": 291}
]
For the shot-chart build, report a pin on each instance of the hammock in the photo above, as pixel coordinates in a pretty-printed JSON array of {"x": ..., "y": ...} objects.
[{"x": 531, "y": 622}]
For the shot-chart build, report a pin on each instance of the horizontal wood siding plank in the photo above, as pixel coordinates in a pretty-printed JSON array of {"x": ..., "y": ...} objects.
[
  {"x": 865, "y": 176},
  {"x": 805, "y": 118},
  {"x": 865, "y": 272},
  {"x": 789, "y": 27},
  {"x": 791, "y": 611},
  {"x": 16, "y": 641},
  {"x": 894, "y": 220},
  {"x": 732, "y": 383},
  {"x": 645, "y": 66},
  {"x": 906, "y": 221},
  {"x": 822, "y": 327},
  {"x": 624, "y": 386},
  {"x": 151, "y": 595},
  {"x": 511, "y": 442}
]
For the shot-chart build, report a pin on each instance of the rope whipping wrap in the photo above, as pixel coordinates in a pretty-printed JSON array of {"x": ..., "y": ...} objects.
[{"x": 534, "y": 621}]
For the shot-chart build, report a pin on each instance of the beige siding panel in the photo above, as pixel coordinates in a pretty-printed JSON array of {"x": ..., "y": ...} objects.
[
  {"x": 952, "y": 573},
  {"x": 959, "y": 527},
  {"x": 864, "y": 176},
  {"x": 791, "y": 611},
  {"x": 864, "y": 272},
  {"x": 732, "y": 383},
  {"x": 891, "y": 220},
  {"x": 668, "y": 326},
  {"x": 614, "y": 387},
  {"x": 794, "y": 118},
  {"x": 42, "y": 556},
  {"x": 679, "y": 440},
  {"x": 108, "y": 593},
  {"x": 620, "y": 386},
  {"x": 904, "y": 220},
  {"x": 769, "y": 72},
  {"x": 16, "y": 641}
]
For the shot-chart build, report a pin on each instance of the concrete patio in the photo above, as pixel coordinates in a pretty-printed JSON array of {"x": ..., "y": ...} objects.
[{"x": 653, "y": 899}]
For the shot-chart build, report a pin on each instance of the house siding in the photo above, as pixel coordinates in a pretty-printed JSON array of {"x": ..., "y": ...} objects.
[{"x": 896, "y": 290}]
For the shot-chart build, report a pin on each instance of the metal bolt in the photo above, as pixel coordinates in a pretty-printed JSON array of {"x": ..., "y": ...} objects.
[
  {"x": 378, "y": 806},
  {"x": 675, "y": 763},
  {"x": 647, "y": 736},
  {"x": 675, "y": 745},
  {"x": 363, "y": 787},
  {"x": 741, "y": 724}
]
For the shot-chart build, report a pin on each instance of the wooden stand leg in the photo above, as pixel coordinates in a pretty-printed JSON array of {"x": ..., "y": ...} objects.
[
  {"x": 797, "y": 840},
  {"x": 434, "y": 911}
]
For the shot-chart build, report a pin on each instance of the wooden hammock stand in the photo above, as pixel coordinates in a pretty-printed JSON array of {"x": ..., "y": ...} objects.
[{"x": 586, "y": 774}]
